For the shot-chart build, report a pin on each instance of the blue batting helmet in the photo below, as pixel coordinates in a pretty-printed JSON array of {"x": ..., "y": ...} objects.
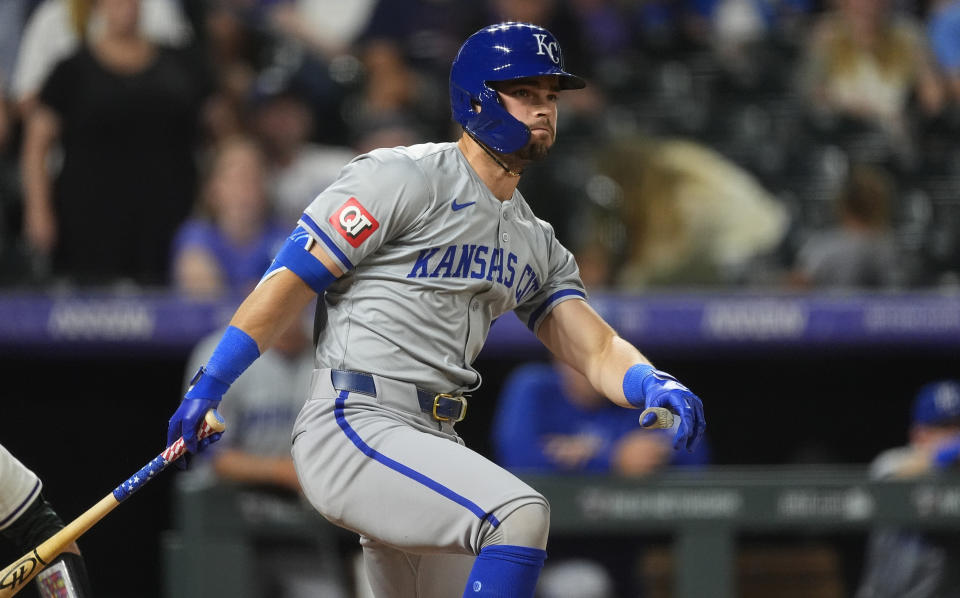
[{"x": 500, "y": 53}]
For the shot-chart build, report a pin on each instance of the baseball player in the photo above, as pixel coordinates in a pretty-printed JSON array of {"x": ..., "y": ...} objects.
[
  {"x": 415, "y": 251},
  {"x": 27, "y": 519}
]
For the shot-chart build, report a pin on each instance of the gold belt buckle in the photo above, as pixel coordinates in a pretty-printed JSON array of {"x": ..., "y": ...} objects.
[{"x": 436, "y": 403}]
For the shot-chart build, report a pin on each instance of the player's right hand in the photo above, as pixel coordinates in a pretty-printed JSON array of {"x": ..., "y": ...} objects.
[
  {"x": 186, "y": 422},
  {"x": 656, "y": 388},
  {"x": 204, "y": 394}
]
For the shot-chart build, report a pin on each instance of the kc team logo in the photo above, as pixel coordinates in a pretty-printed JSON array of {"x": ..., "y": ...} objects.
[
  {"x": 354, "y": 222},
  {"x": 551, "y": 49}
]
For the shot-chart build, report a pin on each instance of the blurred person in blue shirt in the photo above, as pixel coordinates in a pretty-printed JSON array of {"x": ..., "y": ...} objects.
[
  {"x": 549, "y": 419},
  {"x": 227, "y": 249},
  {"x": 943, "y": 29},
  {"x": 905, "y": 563}
]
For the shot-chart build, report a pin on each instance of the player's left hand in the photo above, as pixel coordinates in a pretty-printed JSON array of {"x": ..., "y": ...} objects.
[{"x": 660, "y": 389}]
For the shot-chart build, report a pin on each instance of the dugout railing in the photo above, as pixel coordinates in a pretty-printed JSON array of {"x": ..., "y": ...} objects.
[{"x": 703, "y": 512}]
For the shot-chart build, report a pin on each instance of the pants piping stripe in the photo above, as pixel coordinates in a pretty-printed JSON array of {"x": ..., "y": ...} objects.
[{"x": 403, "y": 469}]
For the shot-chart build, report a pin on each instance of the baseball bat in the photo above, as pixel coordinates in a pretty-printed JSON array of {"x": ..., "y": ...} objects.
[
  {"x": 21, "y": 572},
  {"x": 664, "y": 421}
]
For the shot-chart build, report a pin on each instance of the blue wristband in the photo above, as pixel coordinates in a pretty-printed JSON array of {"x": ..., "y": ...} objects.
[
  {"x": 234, "y": 354},
  {"x": 633, "y": 384}
]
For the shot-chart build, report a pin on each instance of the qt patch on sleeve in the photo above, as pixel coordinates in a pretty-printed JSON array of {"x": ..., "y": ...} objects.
[{"x": 354, "y": 222}]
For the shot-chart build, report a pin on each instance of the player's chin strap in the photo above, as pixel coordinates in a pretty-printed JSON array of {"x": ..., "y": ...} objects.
[{"x": 490, "y": 153}]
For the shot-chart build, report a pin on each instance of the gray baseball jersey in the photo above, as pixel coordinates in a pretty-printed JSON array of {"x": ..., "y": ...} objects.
[
  {"x": 19, "y": 487},
  {"x": 431, "y": 258}
]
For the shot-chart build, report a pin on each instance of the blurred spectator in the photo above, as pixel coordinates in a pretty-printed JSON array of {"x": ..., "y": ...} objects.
[
  {"x": 424, "y": 33},
  {"x": 602, "y": 23},
  {"x": 13, "y": 16},
  {"x": 126, "y": 113},
  {"x": 311, "y": 40},
  {"x": 391, "y": 91},
  {"x": 56, "y": 28},
  {"x": 690, "y": 215},
  {"x": 406, "y": 51},
  {"x": 297, "y": 169},
  {"x": 12, "y": 262},
  {"x": 229, "y": 248},
  {"x": 327, "y": 27},
  {"x": 317, "y": 41},
  {"x": 549, "y": 419},
  {"x": 254, "y": 456},
  {"x": 865, "y": 63},
  {"x": 742, "y": 22},
  {"x": 943, "y": 28},
  {"x": 860, "y": 250},
  {"x": 908, "y": 563},
  {"x": 387, "y": 132}
]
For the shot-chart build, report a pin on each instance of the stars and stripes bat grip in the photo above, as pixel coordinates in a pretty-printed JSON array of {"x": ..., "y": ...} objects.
[
  {"x": 212, "y": 423},
  {"x": 19, "y": 573}
]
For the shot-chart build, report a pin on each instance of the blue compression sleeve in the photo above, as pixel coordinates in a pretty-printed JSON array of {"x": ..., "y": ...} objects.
[
  {"x": 505, "y": 572},
  {"x": 234, "y": 354},
  {"x": 294, "y": 257}
]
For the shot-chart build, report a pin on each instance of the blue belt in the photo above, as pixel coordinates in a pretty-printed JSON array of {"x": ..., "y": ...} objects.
[{"x": 442, "y": 406}]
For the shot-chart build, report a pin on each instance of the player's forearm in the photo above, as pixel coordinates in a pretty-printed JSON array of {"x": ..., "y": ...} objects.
[
  {"x": 576, "y": 334},
  {"x": 608, "y": 367},
  {"x": 272, "y": 307}
]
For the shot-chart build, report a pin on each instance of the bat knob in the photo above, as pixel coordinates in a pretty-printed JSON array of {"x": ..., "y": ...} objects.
[
  {"x": 664, "y": 419},
  {"x": 215, "y": 421}
]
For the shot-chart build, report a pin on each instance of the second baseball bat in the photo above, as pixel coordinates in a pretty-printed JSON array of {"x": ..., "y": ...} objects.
[{"x": 21, "y": 572}]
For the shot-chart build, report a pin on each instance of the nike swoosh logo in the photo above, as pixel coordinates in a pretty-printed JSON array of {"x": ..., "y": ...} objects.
[{"x": 459, "y": 206}]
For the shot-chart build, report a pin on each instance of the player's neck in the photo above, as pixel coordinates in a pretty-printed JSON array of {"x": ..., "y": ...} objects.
[{"x": 500, "y": 178}]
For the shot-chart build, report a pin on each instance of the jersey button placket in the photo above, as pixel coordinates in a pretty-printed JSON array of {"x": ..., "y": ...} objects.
[{"x": 504, "y": 218}]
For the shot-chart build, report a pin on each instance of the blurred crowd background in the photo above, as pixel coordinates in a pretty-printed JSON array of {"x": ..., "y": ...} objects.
[
  {"x": 721, "y": 143},
  {"x": 771, "y": 145}
]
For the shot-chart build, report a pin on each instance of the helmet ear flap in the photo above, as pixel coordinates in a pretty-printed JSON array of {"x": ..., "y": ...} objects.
[
  {"x": 495, "y": 127},
  {"x": 492, "y": 125}
]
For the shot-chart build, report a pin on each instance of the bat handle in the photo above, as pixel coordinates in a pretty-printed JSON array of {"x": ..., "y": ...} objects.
[
  {"x": 664, "y": 418},
  {"x": 212, "y": 424}
]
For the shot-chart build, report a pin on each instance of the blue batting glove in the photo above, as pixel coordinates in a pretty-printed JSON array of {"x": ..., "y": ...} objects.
[
  {"x": 234, "y": 354},
  {"x": 204, "y": 394},
  {"x": 644, "y": 386}
]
